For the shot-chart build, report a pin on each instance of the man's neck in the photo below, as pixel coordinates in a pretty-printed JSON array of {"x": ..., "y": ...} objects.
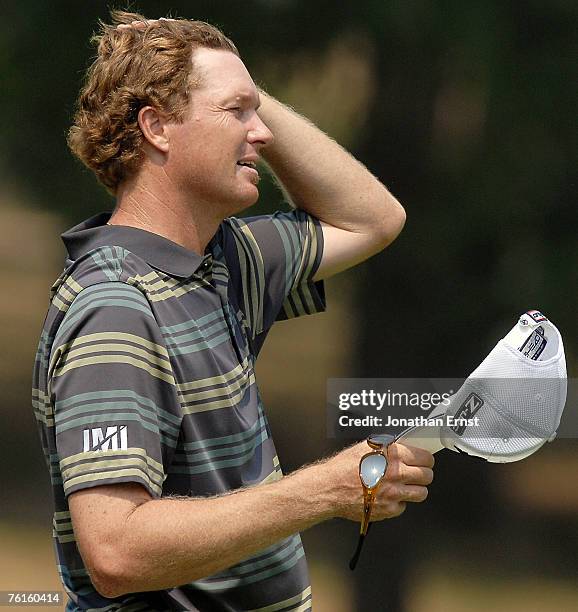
[{"x": 169, "y": 215}]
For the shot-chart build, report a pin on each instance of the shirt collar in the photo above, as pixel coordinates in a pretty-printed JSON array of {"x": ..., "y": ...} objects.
[{"x": 159, "y": 252}]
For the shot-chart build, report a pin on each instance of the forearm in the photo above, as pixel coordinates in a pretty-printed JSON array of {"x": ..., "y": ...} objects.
[
  {"x": 174, "y": 541},
  {"x": 132, "y": 543},
  {"x": 323, "y": 178}
]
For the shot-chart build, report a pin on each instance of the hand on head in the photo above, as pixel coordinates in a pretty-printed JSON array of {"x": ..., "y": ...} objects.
[{"x": 141, "y": 25}]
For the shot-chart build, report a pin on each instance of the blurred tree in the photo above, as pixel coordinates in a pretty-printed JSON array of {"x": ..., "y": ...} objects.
[{"x": 474, "y": 129}]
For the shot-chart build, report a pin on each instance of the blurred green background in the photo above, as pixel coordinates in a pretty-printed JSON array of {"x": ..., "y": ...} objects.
[{"x": 467, "y": 111}]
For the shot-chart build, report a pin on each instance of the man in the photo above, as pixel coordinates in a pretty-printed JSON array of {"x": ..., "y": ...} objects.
[{"x": 149, "y": 414}]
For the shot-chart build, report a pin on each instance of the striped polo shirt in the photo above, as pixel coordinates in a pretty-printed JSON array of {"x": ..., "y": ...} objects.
[{"x": 145, "y": 373}]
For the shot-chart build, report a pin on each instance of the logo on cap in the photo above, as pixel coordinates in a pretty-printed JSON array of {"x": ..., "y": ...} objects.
[
  {"x": 536, "y": 315},
  {"x": 466, "y": 411}
]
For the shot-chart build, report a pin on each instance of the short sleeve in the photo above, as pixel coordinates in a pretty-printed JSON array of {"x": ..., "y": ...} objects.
[
  {"x": 116, "y": 410},
  {"x": 278, "y": 256}
]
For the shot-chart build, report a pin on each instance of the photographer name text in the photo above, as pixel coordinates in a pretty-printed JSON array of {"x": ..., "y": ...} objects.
[{"x": 375, "y": 421}]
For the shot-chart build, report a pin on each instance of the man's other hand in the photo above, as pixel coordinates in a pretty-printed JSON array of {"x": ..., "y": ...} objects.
[{"x": 409, "y": 472}]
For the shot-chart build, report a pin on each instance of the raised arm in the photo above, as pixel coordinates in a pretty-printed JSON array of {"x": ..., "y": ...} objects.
[{"x": 358, "y": 214}]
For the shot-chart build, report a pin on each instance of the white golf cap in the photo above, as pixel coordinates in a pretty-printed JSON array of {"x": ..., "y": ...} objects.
[
  {"x": 511, "y": 404},
  {"x": 517, "y": 393}
]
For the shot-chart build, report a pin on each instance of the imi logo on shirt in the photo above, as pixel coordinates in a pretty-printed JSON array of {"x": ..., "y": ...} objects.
[{"x": 114, "y": 438}]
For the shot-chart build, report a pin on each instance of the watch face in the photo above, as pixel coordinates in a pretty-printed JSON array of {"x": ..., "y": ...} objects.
[
  {"x": 372, "y": 469},
  {"x": 379, "y": 441}
]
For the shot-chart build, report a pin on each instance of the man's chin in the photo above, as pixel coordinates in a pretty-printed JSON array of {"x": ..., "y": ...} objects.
[{"x": 244, "y": 201}]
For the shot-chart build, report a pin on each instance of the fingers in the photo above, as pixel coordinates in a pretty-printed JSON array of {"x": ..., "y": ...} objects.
[
  {"x": 392, "y": 500},
  {"x": 410, "y": 475},
  {"x": 135, "y": 25},
  {"x": 394, "y": 509},
  {"x": 141, "y": 25},
  {"x": 413, "y": 493},
  {"x": 411, "y": 455}
]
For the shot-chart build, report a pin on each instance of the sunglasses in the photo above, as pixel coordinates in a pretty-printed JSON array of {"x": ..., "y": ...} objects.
[{"x": 372, "y": 468}]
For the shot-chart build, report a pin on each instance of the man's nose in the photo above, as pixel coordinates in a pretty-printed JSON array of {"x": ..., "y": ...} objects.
[{"x": 260, "y": 133}]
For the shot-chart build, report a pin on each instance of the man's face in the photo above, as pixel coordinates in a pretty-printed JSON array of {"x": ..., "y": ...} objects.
[{"x": 211, "y": 152}]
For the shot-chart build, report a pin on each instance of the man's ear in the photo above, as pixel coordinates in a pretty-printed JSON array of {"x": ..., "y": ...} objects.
[{"x": 153, "y": 125}]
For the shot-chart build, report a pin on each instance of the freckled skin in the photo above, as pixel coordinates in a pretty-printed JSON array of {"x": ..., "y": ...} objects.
[
  {"x": 188, "y": 183},
  {"x": 221, "y": 127}
]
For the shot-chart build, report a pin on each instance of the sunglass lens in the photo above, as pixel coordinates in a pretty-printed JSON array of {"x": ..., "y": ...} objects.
[
  {"x": 372, "y": 469},
  {"x": 380, "y": 440}
]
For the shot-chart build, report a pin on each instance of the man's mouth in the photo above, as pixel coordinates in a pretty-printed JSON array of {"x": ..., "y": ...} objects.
[
  {"x": 251, "y": 168},
  {"x": 247, "y": 164}
]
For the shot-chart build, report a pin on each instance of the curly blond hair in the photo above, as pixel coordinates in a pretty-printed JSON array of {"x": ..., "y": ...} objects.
[{"x": 135, "y": 67}]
